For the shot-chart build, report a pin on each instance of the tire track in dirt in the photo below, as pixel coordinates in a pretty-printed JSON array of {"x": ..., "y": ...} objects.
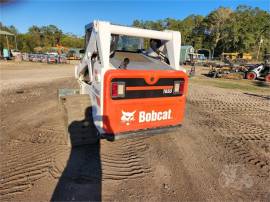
[
  {"x": 125, "y": 159},
  {"x": 241, "y": 148},
  {"x": 19, "y": 172},
  {"x": 242, "y": 140},
  {"x": 34, "y": 135},
  {"x": 36, "y": 107},
  {"x": 228, "y": 115},
  {"x": 45, "y": 130}
]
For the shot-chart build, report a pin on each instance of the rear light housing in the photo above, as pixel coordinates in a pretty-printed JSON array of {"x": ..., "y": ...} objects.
[
  {"x": 178, "y": 87},
  {"x": 118, "y": 89}
]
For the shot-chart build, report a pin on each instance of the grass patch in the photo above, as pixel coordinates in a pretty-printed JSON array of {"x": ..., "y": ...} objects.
[{"x": 244, "y": 85}]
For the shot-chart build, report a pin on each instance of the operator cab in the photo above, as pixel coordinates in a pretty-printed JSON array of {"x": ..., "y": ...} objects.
[
  {"x": 131, "y": 53},
  {"x": 139, "y": 52}
]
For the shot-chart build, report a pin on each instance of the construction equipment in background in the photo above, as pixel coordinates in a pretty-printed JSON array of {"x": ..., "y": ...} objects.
[
  {"x": 260, "y": 70},
  {"x": 75, "y": 54},
  {"x": 132, "y": 92},
  {"x": 239, "y": 58},
  {"x": 251, "y": 71},
  {"x": 227, "y": 72}
]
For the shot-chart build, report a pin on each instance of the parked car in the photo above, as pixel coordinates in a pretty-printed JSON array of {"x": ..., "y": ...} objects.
[
  {"x": 52, "y": 58},
  {"x": 44, "y": 58},
  {"x": 62, "y": 58}
]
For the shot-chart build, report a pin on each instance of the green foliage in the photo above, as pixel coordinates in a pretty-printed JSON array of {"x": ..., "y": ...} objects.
[
  {"x": 41, "y": 38},
  {"x": 3, "y": 41},
  {"x": 222, "y": 30},
  {"x": 72, "y": 41}
]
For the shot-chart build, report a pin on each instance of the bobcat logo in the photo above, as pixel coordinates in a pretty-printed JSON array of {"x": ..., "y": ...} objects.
[{"x": 127, "y": 117}]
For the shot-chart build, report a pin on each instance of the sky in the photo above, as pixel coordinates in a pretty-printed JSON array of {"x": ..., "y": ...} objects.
[{"x": 71, "y": 15}]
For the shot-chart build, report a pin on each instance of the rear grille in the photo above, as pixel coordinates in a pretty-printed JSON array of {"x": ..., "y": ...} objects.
[{"x": 138, "y": 88}]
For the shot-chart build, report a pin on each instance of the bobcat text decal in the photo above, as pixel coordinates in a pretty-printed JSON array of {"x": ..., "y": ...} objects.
[{"x": 152, "y": 116}]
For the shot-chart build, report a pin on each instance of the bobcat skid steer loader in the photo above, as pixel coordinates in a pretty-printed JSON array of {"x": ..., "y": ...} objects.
[{"x": 132, "y": 80}]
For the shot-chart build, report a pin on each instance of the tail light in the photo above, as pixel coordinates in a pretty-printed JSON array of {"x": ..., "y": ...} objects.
[
  {"x": 118, "y": 89},
  {"x": 178, "y": 87}
]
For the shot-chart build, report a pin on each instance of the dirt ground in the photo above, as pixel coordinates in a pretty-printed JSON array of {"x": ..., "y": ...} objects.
[{"x": 222, "y": 152}]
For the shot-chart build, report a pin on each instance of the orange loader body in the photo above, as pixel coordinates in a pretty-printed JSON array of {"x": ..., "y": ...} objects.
[{"x": 149, "y": 100}]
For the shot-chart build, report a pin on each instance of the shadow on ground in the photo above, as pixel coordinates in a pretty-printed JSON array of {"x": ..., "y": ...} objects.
[
  {"x": 267, "y": 97},
  {"x": 260, "y": 83},
  {"x": 81, "y": 179}
]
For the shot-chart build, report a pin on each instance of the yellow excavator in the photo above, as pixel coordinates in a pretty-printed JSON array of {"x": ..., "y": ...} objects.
[{"x": 236, "y": 57}]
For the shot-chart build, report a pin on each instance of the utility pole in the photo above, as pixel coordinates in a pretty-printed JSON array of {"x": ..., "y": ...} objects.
[
  {"x": 16, "y": 42},
  {"x": 260, "y": 43},
  {"x": 7, "y": 42}
]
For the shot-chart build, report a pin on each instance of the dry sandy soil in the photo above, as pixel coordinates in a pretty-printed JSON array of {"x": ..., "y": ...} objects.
[{"x": 222, "y": 152}]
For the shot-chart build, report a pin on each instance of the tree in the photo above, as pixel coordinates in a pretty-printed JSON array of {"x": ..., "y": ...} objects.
[
  {"x": 43, "y": 37},
  {"x": 71, "y": 41},
  {"x": 215, "y": 26},
  {"x": 222, "y": 30}
]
